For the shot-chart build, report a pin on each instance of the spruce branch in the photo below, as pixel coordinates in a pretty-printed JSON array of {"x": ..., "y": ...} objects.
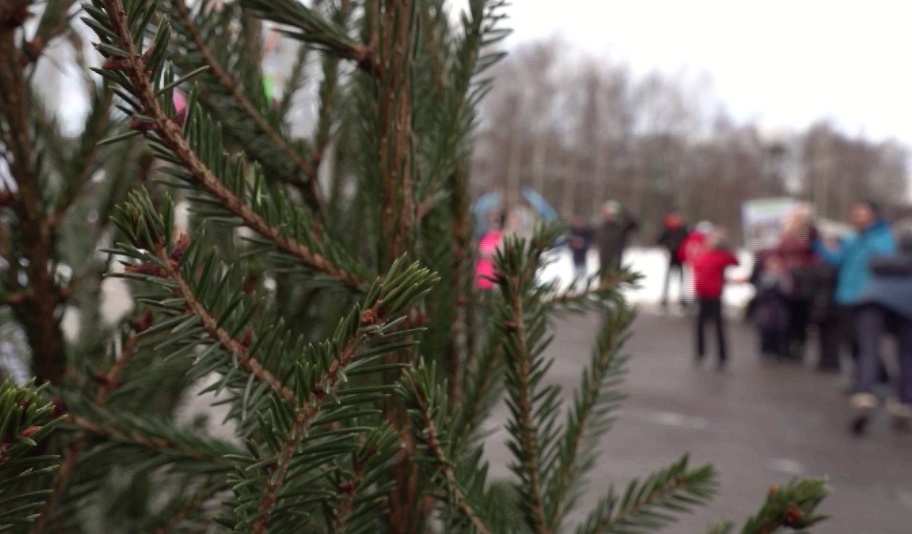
[
  {"x": 38, "y": 312},
  {"x": 789, "y": 507},
  {"x": 394, "y": 142},
  {"x": 425, "y": 399},
  {"x": 231, "y": 86},
  {"x": 328, "y": 95},
  {"x": 98, "y": 123},
  {"x": 303, "y": 418},
  {"x": 594, "y": 402},
  {"x": 479, "y": 390},
  {"x": 295, "y": 81},
  {"x": 604, "y": 291},
  {"x": 171, "y": 137},
  {"x": 274, "y": 484},
  {"x": 25, "y": 422},
  {"x": 529, "y": 448},
  {"x": 310, "y": 27},
  {"x": 237, "y": 348},
  {"x": 516, "y": 274},
  {"x": 187, "y": 508},
  {"x": 153, "y": 436},
  {"x": 649, "y": 505},
  {"x": 109, "y": 381},
  {"x": 54, "y": 21},
  {"x": 350, "y": 489},
  {"x": 383, "y": 311}
]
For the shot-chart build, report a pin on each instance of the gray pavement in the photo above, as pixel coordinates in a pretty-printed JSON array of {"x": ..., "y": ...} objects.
[{"x": 760, "y": 424}]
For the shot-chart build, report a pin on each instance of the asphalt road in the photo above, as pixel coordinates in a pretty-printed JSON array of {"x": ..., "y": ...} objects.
[{"x": 758, "y": 423}]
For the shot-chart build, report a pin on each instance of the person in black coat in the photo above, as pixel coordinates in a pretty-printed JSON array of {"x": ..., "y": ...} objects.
[
  {"x": 819, "y": 280},
  {"x": 613, "y": 236},
  {"x": 674, "y": 232},
  {"x": 773, "y": 285},
  {"x": 580, "y": 240}
]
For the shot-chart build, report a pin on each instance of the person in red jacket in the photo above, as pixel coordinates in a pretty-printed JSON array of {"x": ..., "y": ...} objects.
[
  {"x": 694, "y": 242},
  {"x": 709, "y": 265}
]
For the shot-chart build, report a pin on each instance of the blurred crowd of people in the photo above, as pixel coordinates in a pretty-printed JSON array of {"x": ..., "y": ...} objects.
[
  {"x": 851, "y": 291},
  {"x": 854, "y": 290}
]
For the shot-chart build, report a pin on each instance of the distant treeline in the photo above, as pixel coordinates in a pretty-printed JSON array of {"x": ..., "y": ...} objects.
[{"x": 582, "y": 129}]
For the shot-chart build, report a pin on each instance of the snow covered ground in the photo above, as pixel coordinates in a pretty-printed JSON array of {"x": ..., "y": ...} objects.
[{"x": 651, "y": 263}]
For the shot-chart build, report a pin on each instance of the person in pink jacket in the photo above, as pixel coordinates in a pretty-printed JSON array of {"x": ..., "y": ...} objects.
[{"x": 488, "y": 246}]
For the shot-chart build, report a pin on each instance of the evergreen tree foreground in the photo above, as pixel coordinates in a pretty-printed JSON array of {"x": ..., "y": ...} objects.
[{"x": 322, "y": 289}]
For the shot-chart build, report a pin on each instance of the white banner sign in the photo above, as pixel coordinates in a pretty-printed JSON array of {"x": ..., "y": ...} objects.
[{"x": 762, "y": 219}]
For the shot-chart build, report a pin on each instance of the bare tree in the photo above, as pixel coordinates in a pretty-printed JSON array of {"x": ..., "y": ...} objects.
[{"x": 584, "y": 131}]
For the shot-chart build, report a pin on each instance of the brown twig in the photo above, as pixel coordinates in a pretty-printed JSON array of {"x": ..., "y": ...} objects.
[
  {"x": 527, "y": 442},
  {"x": 170, "y": 136},
  {"x": 36, "y": 46},
  {"x": 13, "y": 14},
  {"x": 658, "y": 493},
  {"x": 394, "y": 146},
  {"x": 303, "y": 418},
  {"x": 135, "y": 438},
  {"x": 38, "y": 312},
  {"x": 210, "y": 324},
  {"x": 350, "y": 489},
  {"x": 198, "y": 500},
  {"x": 84, "y": 164},
  {"x": 610, "y": 282},
  {"x": 570, "y": 470},
  {"x": 432, "y": 441},
  {"x": 471, "y": 407},
  {"x": 109, "y": 383}
]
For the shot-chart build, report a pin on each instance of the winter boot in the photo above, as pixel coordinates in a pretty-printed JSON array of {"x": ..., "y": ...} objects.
[{"x": 863, "y": 404}]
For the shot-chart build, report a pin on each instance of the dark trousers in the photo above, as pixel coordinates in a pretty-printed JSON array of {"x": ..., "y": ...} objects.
[
  {"x": 828, "y": 332},
  {"x": 846, "y": 318},
  {"x": 772, "y": 341},
  {"x": 799, "y": 317},
  {"x": 871, "y": 322},
  {"x": 674, "y": 267},
  {"x": 849, "y": 324},
  {"x": 711, "y": 312}
]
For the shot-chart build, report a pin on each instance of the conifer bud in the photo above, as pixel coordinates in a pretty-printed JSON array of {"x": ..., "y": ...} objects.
[
  {"x": 116, "y": 63},
  {"x": 248, "y": 338},
  {"x": 347, "y": 487},
  {"x": 180, "y": 247},
  {"x": 369, "y": 317},
  {"x": 249, "y": 285},
  {"x": 59, "y": 407},
  {"x": 793, "y": 516},
  {"x": 146, "y": 267},
  {"x": 142, "y": 323},
  {"x": 30, "y": 431},
  {"x": 141, "y": 126}
]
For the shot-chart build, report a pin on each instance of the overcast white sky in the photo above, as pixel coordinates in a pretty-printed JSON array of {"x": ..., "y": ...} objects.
[{"x": 782, "y": 63}]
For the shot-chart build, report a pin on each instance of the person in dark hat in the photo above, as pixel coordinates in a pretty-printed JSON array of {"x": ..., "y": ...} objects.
[
  {"x": 613, "y": 236},
  {"x": 674, "y": 232},
  {"x": 580, "y": 240}
]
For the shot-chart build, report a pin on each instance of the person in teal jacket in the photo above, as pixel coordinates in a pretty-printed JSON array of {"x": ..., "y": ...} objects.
[
  {"x": 851, "y": 258},
  {"x": 872, "y": 238}
]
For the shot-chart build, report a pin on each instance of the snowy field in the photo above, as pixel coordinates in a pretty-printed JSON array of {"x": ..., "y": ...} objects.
[{"x": 651, "y": 263}]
